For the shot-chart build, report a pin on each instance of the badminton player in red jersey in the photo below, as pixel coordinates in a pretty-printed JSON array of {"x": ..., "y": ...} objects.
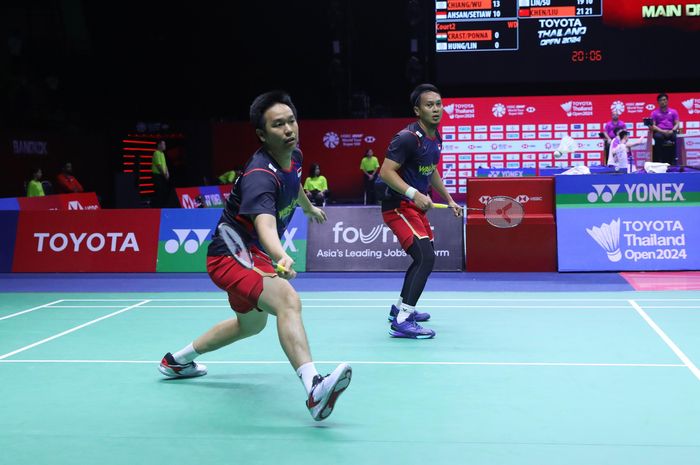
[
  {"x": 259, "y": 208},
  {"x": 409, "y": 169}
]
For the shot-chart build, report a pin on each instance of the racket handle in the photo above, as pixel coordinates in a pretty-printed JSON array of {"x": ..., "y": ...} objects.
[
  {"x": 280, "y": 269},
  {"x": 440, "y": 205}
]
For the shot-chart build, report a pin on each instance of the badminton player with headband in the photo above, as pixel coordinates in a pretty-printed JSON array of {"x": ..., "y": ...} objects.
[
  {"x": 240, "y": 257},
  {"x": 409, "y": 169}
]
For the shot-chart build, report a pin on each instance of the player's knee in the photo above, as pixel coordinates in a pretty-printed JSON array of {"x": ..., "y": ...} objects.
[{"x": 290, "y": 302}]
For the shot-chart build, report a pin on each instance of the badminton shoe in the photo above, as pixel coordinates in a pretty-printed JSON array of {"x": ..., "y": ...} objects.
[
  {"x": 410, "y": 329},
  {"x": 325, "y": 391},
  {"x": 419, "y": 316},
  {"x": 170, "y": 368}
]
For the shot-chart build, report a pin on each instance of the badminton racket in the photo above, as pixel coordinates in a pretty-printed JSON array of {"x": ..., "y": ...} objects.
[
  {"x": 239, "y": 251},
  {"x": 500, "y": 211}
]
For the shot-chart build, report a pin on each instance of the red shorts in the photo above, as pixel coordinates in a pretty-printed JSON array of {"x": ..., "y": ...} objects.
[
  {"x": 242, "y": 285},
  {"x": 408, "y": 222}
]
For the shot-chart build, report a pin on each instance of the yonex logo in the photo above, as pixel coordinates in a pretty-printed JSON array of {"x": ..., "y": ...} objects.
[
  {"x": 331, "y": 140},
  {"x": 289, "y": 240},
  {"x": 606, "y": 192},
  {"x": 608, "y": 237},
  {"x": 190, "y": 245}
]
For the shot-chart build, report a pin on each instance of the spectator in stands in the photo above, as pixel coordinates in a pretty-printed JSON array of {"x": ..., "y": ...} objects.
[
  {"x": 369, "y": 166},
  {"x": 34, "y": 187},
  {"x": 67, "y": 184},
  {"x": 228, "y": 177},
  {"x": 316, "y": 186},
  {"x": 161, "y": 176},
  {"x": 665, "y": 124}
]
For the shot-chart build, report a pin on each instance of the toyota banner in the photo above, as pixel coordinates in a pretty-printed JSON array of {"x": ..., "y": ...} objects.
[{"x": 356, "y": 239}]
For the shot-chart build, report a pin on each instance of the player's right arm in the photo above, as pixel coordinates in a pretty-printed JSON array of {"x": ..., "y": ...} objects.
[
  {"x": 266, "y": 228},
  {"x": 390, "y": 175}
]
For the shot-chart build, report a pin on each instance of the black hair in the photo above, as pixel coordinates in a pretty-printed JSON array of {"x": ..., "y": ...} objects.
[
  {"x": 312, "y": 169},
  {"x": 420, "y": 90},
  {"x": 622, "y": 134},
  {"x": 264, "y": 101},
  {"x": 661, "y": 95}
]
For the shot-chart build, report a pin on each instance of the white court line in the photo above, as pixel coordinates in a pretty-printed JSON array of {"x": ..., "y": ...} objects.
[
  {"x": 29, "y": 310},
  {"x": 539, "y": 307},
  {"x": 425, "y": 298},
  {"x": 372, "y": 362},
  {"x": 672, "y": 345},
  {"x": 22, "y": 349}
]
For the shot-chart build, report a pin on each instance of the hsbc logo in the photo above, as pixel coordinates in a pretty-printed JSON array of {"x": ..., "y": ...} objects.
[
  {"x": 189, "y": 244},
  {"x": 522, "y": 198},
  {"x": 530, "y": 109},
  {"x": 605, "y": 192},
  {"x": 370, "y": 139},
  {"x": 484, "y": 199},
  {"x": 76, "y": 205},
  {"x": 95, "y": 242}
]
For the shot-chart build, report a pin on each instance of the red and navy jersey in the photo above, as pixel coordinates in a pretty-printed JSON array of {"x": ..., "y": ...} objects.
[
  {"x": 264, "y": 187},
  {"x": 418, "y": 156}
]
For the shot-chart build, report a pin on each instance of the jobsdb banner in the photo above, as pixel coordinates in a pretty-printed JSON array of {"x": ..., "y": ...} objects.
[
  {"x": 630, "y": 222},
  {"x": 356, "y": 239},
  {"x": 185, "y": 235}
]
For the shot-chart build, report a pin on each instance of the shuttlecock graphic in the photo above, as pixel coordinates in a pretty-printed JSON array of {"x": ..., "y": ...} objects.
[
  {"x": 449, "y": 109},
  {"x": 608, "y": 237},
  {"x": 688, "y": 104},
  {"x": 566, "y": 106}
]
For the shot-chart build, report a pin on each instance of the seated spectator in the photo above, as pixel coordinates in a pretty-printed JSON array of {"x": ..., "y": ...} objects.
[
  {"x": 316, "y": 186},
  {"x": 665, "y": 124},
  {"x": 34, "y": 187},
  {"x": 67, "y": 184}
]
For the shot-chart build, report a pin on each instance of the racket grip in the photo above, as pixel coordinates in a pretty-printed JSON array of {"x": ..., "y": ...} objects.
[
  {"x": 440, "y": 205},
  {"x": 280, "y": 269}
]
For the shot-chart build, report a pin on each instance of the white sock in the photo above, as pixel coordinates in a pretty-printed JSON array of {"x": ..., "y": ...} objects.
[
  {"x": 404, "y": 312},
  {"x": 306, "y": 373},
  {"x": 186, "y": 354},
  {"x": 400, "y": 301}
]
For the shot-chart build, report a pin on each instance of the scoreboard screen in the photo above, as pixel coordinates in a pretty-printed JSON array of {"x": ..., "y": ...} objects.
[{"x": 485, "y": 41}]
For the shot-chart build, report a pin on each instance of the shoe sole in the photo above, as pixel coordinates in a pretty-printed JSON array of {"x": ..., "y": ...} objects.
[
  {"x": 170, "y": 373},
  {"x": 390, "y": 318},
  {"x": 340, "y": 386},
  {"x": 394, "y": 333}
]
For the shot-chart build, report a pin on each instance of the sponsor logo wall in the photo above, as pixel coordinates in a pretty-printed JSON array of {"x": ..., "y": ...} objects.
[
  {"x": 96, "y": 241},
  {"x": 524, "y": 132},
  {"x": 356, "y": 239},
  {"x": 628, "y": 222},
  {"x": 81, "y": 201},
  {"x": 8, "y": 230},
  {"x": 203, "y": 196}
]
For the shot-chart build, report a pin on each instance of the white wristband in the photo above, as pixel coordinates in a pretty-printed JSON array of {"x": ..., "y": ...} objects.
[{"x": 410, "y": 192}]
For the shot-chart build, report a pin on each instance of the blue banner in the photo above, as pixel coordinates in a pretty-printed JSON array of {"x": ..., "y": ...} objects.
[
  {"x": 9, "y": 203},
  {"x": 630, "y": 222},
  {"x": 8, "y": 232},
  {"x": 505, "y": 172}
]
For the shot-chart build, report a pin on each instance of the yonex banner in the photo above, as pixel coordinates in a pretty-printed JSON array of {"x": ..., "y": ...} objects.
[
  {"x": 96, "y": 241},
  {"x": 8, "y": 230},
  {"x": 185, "y": 235},
  {"x": 628, "y": 222},
  {"x": 356, "y": 239}
]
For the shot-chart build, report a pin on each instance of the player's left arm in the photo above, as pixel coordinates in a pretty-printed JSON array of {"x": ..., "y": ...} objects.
[
  {"x": 311, "y": 211},
  {"x": 436, "y": 182}
]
